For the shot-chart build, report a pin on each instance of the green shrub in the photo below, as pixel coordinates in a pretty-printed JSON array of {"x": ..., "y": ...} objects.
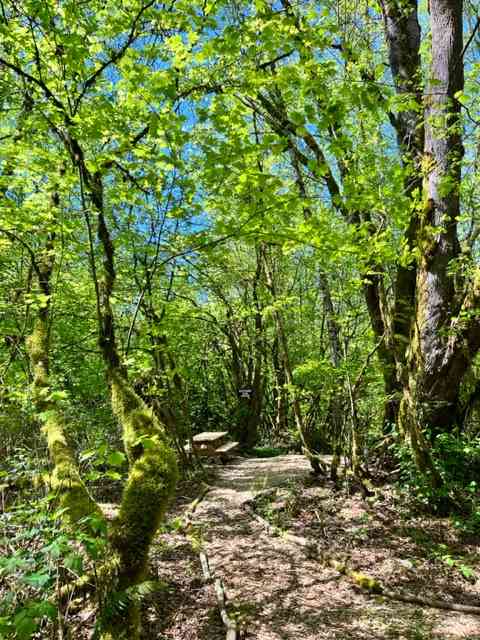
[
  {"x": 457, "y": 459},
  {"x": 267, "y": 452}
]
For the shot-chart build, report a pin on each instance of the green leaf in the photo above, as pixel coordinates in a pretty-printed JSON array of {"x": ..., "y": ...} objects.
[
  {"x": 116, "y": 458},
  {"x": 467, "y": 572},
  {"x": 113, "y": 475},
  {"x": 37, "y": 580},
  {"x": 25, "y": 625},
  {"x": 74, "y": 562}
]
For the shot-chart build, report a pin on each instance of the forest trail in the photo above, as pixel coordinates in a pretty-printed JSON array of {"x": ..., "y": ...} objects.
[
  {"x": 243, "y": 478},
  {"x": 267, "y": 579},
  {"x": 277, "y": 591}
]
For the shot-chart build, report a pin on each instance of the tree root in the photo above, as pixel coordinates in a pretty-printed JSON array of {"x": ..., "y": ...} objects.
[{"x": 233, "y": 632}]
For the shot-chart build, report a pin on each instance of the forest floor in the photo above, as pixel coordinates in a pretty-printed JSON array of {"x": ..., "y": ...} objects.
[{"x": 277, "y": 592}]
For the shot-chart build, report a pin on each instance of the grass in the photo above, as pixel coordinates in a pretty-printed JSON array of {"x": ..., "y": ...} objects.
[{"x": 266, "y": 452}]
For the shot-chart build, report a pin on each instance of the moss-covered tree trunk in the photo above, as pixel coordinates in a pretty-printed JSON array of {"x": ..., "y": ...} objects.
[
  {"x": 153, "y": 467},
  {"x": 78, "y": 507},
  {"x": 446, "y": 332},
  {"x": 149, "y": 488}
]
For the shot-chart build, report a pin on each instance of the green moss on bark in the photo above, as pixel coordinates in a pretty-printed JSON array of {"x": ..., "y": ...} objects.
[
  {"x": 79, "y": 508},
  {"x": 149, "y": 488}
]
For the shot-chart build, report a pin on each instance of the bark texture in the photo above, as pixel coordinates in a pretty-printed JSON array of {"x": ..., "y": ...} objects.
[
  {"x": 79, "y": 508},
  {"x": 153, "y": 467},
  {"x": 437, "y": 361}
]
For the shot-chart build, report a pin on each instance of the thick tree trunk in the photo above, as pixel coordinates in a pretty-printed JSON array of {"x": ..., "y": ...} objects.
[
  {"x": 248, "y": 407},
  {"x": 437, "y": 359},
  {"x": 153, "y": 467},
  {"x": 246, "y": 366}
]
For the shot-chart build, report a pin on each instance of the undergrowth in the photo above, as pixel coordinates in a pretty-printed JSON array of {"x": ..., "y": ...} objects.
[{"x": 458, "y": 463}]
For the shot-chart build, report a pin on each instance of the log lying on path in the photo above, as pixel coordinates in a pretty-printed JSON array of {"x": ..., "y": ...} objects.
[
  {"x": 435, "y": 604},
  {"x": 364, "y": 581},
  {"x": 232, "y": 627},
  {"x": 233, "y": 633}
]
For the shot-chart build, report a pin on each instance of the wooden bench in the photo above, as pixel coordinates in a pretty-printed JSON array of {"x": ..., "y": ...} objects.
[{"x": 226, "y": 450}]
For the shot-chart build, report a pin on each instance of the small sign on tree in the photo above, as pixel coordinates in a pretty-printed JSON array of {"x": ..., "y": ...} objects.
[{"x": 245, "y": 393}]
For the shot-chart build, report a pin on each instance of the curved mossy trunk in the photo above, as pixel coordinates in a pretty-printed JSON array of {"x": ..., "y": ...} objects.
[
  {"x": 77, "y": 506},
  {"x": 148, "y": 490},
  {"x": 153, "y": 466}
]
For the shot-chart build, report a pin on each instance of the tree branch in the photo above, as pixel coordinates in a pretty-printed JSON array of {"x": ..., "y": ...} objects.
[{"x": 132, "y": 36}]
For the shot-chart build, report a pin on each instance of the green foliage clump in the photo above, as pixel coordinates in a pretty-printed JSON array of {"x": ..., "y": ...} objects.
[
  {"x": 457, "y": 460},
  {"x": 267, "y": 452},
  {"x": 458, "y": 457},
  {"x": 365, "y": 582},
  {"x": 37, "y": 556}
]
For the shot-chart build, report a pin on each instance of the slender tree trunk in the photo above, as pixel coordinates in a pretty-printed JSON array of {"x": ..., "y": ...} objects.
[
  {"x": 306, "y": 437},
  {"x": 279, "y": 391},
  {"x": 79, "y": 510},
  {"x": 169, "y": 400},
  {"x": 336, "y": 408},
  {"x": 402, "y": 31},
  {"x": 256, "y": 398}
]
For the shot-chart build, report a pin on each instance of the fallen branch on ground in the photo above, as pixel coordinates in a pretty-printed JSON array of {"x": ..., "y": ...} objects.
[
  {"x": 232, "y": 627},
  {"x": 194, "y": 504},
  {"x": 233, "y": 632},
  {"x": 365, "y": 582}
]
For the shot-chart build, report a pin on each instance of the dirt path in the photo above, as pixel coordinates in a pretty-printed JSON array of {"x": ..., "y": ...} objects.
[
  {"x": 281, "y": 594},
  {"x": 243, "y": 478}
]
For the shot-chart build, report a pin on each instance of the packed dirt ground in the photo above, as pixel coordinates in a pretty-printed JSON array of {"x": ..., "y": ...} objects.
[{"x": 276, "y": 592}]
